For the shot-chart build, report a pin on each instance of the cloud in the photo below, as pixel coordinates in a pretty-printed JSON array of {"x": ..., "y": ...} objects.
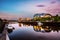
[
  {"x": 40, "y": 5},
  {"x": 53, "y": 2}
]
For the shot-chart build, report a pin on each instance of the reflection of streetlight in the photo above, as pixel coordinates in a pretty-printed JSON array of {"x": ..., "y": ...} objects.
[{"x": 19, "y": 24}]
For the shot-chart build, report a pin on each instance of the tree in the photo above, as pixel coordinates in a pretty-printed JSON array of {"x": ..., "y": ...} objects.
[{"x": 56, "y": 18}]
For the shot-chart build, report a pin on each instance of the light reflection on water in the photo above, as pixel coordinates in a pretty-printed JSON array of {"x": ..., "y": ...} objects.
[{"x": 25, "y": 32}]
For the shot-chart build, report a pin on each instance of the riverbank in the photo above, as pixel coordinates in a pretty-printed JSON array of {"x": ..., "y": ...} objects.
[
  {"x": 3, "y": 35},
  {"x": 44, "y": 23}
]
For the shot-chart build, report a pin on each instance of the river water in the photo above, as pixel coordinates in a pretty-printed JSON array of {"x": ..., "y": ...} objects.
[{"x": 25, "y": 32}]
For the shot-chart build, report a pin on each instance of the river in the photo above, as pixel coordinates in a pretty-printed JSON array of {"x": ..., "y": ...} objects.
[{"x": 25, "y": 32}]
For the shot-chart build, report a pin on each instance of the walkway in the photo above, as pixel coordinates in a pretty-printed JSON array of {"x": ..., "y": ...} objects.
[{"x": 3, "y": 35}]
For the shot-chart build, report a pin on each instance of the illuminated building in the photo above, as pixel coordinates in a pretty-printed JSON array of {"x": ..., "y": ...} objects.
[
  {"x": 42, "y": 15},
  {"x": 27, "y": 19},
  {"x": 20, "y": 19}
]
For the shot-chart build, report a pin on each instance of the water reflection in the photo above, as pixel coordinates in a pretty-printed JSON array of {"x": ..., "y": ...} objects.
[
  {"x": 46, "y": 28},
  {"x": 42, "y": 28},
  {"x": 10, "y": 28},
  {"x": 34, "y": 32},
  {"x": 10, "y": 31},
  {"x": 20, "y": 24}
]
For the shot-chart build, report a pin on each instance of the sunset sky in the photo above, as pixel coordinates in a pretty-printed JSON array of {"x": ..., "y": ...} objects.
[{"x": 13, "y": 9}]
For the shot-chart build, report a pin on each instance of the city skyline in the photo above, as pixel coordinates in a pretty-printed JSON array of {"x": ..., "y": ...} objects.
[{"x": 13, "y": 9}]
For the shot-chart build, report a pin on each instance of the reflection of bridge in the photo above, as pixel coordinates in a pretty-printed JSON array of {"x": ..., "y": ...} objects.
[{"x": 44, "y": 23}]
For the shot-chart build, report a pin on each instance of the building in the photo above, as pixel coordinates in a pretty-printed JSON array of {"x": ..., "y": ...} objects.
[
  {"x": 27, "y": 19},
  {"x": 20, "y": 19},
  {"x": 43, "y": 15}
]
